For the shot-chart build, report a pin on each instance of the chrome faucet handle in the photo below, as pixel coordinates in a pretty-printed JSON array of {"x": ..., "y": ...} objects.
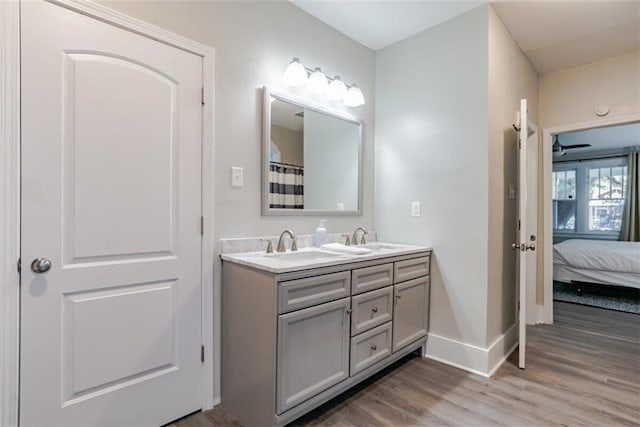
[
  {"x": 294, "y": 244},
  {"x": 347, "y": 240},
  {"x": 269, "y": 245}
]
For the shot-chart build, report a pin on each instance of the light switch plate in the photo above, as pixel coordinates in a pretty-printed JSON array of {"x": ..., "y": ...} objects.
[
  {"x": 416, "y": 207},
  {"x": 237, "y": 179}
]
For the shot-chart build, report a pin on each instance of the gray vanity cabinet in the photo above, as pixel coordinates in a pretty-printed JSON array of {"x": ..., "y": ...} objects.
[
  {"x": 313, "y": 351},
  {"x": 294, "y": 339},
  {"x": 410, "y": 313}
]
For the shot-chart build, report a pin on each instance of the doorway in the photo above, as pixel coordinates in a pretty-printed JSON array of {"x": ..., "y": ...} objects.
[{"x": 584, "y": 175}]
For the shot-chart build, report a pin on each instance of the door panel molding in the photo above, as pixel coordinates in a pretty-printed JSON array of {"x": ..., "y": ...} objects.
[
  {"x": 10, "y": 190},
  {"x": 9, "y": 210}
]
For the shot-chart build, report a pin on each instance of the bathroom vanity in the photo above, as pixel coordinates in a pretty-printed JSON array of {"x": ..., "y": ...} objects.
[{"x": 299, "y": 328}]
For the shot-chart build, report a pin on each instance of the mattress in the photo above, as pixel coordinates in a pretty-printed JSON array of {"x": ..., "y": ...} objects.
[
  {"x": 597, "y": 261},
  {"x": 564, "y": 273}
]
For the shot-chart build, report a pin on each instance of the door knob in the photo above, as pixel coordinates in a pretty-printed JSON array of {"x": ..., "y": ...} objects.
[{"x": 40, "y": 265}]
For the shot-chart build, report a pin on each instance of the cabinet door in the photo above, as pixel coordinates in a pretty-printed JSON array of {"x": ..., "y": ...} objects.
[
  {"x": 410, "y": 312},
  {"x": 313, "y": 351}
]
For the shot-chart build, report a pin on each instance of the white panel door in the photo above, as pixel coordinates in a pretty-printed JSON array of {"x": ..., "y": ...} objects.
[
  {"x": 527, "y": 218},
  {"x": 111, "y": 141}
]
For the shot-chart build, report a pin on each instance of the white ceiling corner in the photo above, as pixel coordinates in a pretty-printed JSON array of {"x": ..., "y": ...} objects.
[
  {"x": 554, "y": 34},
  {"x": 376, "y": 24}
]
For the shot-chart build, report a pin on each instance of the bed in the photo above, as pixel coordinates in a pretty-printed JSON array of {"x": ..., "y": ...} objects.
[{"x": 597, "y": 261}]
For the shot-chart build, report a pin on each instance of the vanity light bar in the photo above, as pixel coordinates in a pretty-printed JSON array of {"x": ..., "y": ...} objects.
[{"x": 297, "y": 75}]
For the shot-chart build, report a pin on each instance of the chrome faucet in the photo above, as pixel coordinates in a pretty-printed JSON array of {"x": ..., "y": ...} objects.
[
  {"x": 294, "y": 246},
  {"x": 365, "y": 233}
]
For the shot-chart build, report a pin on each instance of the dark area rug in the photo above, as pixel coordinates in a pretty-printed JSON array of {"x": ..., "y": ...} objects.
[{"x": 603, "y": 296}]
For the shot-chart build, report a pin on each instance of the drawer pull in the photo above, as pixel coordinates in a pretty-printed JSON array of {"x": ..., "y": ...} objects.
[
  {"x": 374, "y": 309},
  {"x": 397, "y": 296},
  {"x": 374, "y": 347}
]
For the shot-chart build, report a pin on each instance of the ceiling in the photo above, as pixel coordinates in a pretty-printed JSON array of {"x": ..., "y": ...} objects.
[
  {"x": 554, "y": 34},
  {"x": 605, "y": 138}
]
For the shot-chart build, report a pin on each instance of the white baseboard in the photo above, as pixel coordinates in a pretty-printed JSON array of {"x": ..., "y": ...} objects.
[
  {"x": 478, "y": 360},
  {"x": 501, "y": 349}
]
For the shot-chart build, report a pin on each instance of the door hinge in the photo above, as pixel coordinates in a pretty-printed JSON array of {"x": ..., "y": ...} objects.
[
  {"x": 202, "y": 353},
  {"x": 202, "y": 226},
  {"x": 19, "y": 265},
  {"x": 518, "y": 224},
  {"x": 202, "y": 95}
]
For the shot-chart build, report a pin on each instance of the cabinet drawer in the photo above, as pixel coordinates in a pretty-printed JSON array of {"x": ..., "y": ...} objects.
[
  {"x": 410, "y": 269},
  {"x": 302, "y": 293},
  {"x": 370, "y": 347},
  {"x": 371, "y": 309},
  {"x": 370, "y": 278}
]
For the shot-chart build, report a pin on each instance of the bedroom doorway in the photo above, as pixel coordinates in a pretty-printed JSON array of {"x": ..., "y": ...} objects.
[{"x": 588, "y": 185}]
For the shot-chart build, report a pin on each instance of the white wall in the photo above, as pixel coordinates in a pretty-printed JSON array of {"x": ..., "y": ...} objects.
[
  {"x": 290, "y": 143},
  {"x": 511, "y": 78},
  {"x": 254, "y": 41},
  {"x": 330, "y": 162},
  {"x": 432, "y": 147},
  {"x": 571, "y": 95}
]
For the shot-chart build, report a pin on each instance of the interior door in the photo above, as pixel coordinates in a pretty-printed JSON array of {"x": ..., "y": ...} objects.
[
  {"x": 526, "y": 225},
  {"x": 111, "y": 244}
]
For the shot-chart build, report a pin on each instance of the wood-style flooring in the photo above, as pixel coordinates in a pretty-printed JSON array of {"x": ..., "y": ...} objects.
[{"x": 583, "y": 370}]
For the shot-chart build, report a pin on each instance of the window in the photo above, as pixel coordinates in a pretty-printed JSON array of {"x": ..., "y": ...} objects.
[
  {"x": 564, "y": 200},
  {"x": 606, "y": 198},
  {"x": 588, "y": 196}
]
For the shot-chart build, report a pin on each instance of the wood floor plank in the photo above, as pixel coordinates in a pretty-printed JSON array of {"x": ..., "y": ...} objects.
[{"x": 584, "y": 370}]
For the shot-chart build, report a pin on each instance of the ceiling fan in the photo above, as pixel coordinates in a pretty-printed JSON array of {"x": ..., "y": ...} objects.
[{"x": 559, "y": 150}]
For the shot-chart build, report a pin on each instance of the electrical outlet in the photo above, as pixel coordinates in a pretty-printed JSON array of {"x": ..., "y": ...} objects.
[
  {"x": 237, "y": 179},
  {"x": 416, "y": 207},
  {"x": 340, "y": 206}
]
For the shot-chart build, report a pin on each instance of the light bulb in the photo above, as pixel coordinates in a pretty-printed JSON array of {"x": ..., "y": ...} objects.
[
  {"x": 317, "y": 82},
  {"x": 295, "y": 75},
  {"x": 354, "y": 97},
  {"x": 337, "y": 89}
]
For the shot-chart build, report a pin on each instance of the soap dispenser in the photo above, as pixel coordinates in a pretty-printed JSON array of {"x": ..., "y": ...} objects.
[{"x": 321, "y": 234}]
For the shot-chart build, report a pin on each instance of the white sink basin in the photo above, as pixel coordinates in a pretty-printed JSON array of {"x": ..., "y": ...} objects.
[
  {"x": 302, "y": 256},
  {"x": 306, "y": 255},
  {"x": 384, "y": 247}
]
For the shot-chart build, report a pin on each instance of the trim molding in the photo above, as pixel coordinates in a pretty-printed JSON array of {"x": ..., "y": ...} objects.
[
  {"x": 471, "y": 358},
  {"x": 10, "y": 211},
  {"x": 547, "y": 166},
  {"x": 10, "y": 191}
]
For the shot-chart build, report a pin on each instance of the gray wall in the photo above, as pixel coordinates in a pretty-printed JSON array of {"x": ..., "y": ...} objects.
[
  {"x": 511, "y": 78},
  {"x": 432, "y": 147},
  {"x": 330, "y": 162},
  {"x": 254, "y": 41}
]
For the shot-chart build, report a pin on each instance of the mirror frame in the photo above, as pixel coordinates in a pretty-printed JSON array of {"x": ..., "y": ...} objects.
[{"x": 266, "y": 138}]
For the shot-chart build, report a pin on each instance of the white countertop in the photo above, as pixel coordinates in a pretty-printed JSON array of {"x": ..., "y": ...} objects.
[{"x": 308, "y": 258}]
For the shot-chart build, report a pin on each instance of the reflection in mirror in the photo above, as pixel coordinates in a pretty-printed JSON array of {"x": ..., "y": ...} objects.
[{"x": 312, "y": 160}]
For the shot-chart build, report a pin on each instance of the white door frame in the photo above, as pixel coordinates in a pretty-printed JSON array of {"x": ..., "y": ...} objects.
[
  {"x": 547, "y": 167},
  {"x": 10, "y": 189}
]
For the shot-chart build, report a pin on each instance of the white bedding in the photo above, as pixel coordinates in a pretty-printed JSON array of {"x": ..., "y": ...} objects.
[{"x": 597, "y": 261}]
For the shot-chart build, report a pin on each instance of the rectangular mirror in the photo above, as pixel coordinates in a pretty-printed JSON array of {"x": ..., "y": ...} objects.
[{"x": 312, "y": 159}]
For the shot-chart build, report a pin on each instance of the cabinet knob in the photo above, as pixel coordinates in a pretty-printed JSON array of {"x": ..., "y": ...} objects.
[
  {"x": 349, "y": 311},
  {"x": 374, "y": 309},
  {"x": 374, "y": 347}
]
